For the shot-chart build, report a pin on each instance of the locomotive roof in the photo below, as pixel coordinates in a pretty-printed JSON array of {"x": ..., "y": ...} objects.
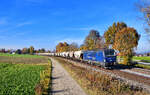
[{"x": 98, "y": 50}]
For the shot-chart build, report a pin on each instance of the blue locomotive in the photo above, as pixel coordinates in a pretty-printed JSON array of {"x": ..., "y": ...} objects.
[{"x": 104, "y": 58}]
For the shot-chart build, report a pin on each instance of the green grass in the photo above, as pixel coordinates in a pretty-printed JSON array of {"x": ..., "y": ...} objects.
[
  {"x": 143, "y": 66},
  {"x": 24, "y": 74},
  {"x": 20, "y": 55},
  {"x": 19, "y": 79},
  {"x": 141, "y": 58}
]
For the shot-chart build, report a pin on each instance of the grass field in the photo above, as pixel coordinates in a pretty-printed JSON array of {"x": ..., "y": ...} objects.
[
  {"x": 22, "y": 74},
  {"x": 96, "y": 83},
  {"x": 22, "y": 59},
  {"x": 17, "y": 79},
  {"x": 143, "y": 66},
  {"x": 20, "y": 55},
  {"x": 143, "y": 59}
]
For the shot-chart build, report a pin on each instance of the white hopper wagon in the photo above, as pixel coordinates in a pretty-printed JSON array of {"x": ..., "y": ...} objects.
[
  {"x": 66, "y": 54},
  {"x": 52, "y": 54},
  {"x": 78, "y": 54},
  {"x": 63, "y": 54},
  {"x": 71, "y": 54},
  {"x": 58, "y": 54}
]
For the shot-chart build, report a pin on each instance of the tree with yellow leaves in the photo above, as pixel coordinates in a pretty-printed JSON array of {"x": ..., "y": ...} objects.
[
  {"x": 110, "y": 34},
  {"x": 31, "y": 49},
  {"x": 93, "y": 41},
  {"x": 62, "y": 47},
  {"x": 125, "y": 41}
]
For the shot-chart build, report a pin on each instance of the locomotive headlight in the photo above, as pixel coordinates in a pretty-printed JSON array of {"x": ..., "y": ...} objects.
[{"x": 104, "y": 60}]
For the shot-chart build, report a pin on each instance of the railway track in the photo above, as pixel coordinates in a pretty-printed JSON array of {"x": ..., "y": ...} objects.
[{"x": 134, "y": 76}]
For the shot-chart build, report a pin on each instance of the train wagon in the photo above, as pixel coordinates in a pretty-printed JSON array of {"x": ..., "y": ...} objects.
[
  {"x": 79, "y": 54},
  {"x": 104, "y": 58},
  {"x": 71, "y": 54},
  {"x": 66, "y": 54}
]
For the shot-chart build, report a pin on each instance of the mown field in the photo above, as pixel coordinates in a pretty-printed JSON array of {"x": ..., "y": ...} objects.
[
  {"x": 143, "y": 58},
  {"x": 96, "y": 83},
  {"x": 20, "y": 55},
  {"x": 22, "y": 59},
  {"x": 143, "y": 66},
  {"x": 24, "y": 74}
]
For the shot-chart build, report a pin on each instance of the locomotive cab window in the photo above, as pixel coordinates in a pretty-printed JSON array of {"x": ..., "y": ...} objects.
[{"x": 109, "y": 52}]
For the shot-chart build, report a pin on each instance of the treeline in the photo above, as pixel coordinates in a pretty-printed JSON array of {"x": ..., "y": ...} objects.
[
  {"x": 61, "y": 47},
  {"x": 25, "y": 50},
  {"x": 118, "y": 36},
  {"x": 30, "y": 50},
  {"x": 92, "y": 42}
]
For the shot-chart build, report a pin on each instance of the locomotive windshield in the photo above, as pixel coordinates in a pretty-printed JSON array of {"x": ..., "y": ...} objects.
[{"x": 109, "y": 52}]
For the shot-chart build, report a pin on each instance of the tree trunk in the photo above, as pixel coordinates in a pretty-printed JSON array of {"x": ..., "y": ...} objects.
[{"x": 127, "y": 60}]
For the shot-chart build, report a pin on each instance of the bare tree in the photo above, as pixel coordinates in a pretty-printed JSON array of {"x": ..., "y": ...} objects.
[{"x": 144, "y": 7}]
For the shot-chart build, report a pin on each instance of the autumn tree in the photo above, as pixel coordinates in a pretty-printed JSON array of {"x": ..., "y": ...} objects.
[
  {"x": 65, "y": 46},
  {"x": 92, "y": 41},
  {"x": 83, "y": 47},
  {"x": 59, "y": 47},
  {"x": 31, "y": 50},
  {"x": 110, "y": 34},
  {"x": 125, "y": 41},
  {"x": 25, "y": 51},
  {"x": 73, "y": 47},
  {"x": 90, "y": 44}
]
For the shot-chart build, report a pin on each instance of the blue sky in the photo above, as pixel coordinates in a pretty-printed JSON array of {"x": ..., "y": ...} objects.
[{"x": 44, "y": 23}]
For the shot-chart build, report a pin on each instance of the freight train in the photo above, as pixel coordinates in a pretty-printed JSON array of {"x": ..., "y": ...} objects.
[{"x": 105, "y": 58}]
